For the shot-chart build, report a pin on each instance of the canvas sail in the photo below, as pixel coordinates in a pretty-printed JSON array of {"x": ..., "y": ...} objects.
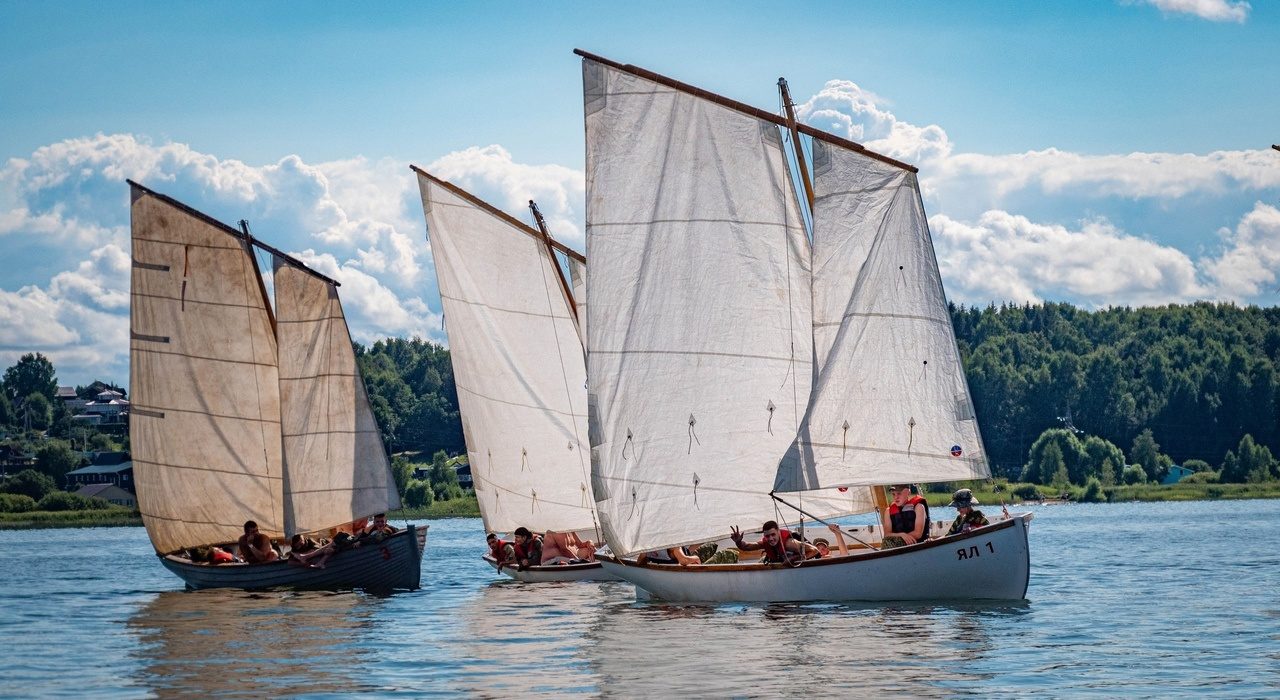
[
  {"x": 698, "y": 323},
  {"x": 335, "y": 465},
  {"x": 205, "y": 420},
  {"x": 578, "y": 280},
  {"x": 891, "y": 403},
  {"x": 518, "y": 365}
]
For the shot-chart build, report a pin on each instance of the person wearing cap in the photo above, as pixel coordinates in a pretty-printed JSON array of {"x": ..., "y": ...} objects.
[
  {"x": 969, "y": 517},
  {"x": 906, "y": 520}
]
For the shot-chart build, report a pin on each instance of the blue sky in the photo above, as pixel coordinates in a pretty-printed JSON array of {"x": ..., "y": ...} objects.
[{"x": 1100, "y": 152}]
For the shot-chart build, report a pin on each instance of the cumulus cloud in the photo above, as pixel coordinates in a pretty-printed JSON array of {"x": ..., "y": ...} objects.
[
  {"x": 382, "y": 311},
  {"x": 1249, "y": 265},
  {"x": 1212, "y": 10},
  {"x": 1004, "y": 256},
  {"x": 492, "y": 175},
  {"x": 844, "y": 108}
]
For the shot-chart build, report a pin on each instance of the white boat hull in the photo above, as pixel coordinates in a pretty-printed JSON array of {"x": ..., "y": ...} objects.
[
  {"x": 591, "y": 571},
  {"x": 393, "y": 564},
  {"x": 992, "y": 563}
]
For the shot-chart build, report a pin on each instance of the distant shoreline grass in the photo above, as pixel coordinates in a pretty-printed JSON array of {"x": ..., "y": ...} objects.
[{"x": 1126, "y": 494}]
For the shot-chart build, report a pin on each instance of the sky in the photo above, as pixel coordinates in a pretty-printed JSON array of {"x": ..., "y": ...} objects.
[{"x": 1100, "y": 152}]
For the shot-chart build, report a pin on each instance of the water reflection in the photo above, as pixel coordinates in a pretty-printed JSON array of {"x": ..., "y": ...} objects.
[{"x": 251, "y": 644}]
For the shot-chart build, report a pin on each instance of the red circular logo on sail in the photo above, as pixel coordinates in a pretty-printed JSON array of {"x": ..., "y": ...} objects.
[
  {"x": 842, "y": 489},
  {"x": 956, "y": 451}
]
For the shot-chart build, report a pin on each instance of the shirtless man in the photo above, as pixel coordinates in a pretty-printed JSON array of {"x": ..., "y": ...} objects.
[
  {"x": 563, "y": 547},
  {"x": 255, "y": 547}
]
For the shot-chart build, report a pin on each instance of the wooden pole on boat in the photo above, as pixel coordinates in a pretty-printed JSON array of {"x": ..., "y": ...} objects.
[
  {"x": 745, "y": 109},
  {"x": 551, "y": 253},
  {"x": 789, "y": 106},
  {"x": 257, "y": 273},
  {"x": 1276, "y": 146}
]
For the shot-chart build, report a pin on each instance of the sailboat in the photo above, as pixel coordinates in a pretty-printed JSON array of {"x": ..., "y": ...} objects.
[
  {"x": 517, "y": 353},
  {"x": 739, "y": 371},
  {"x": 242, "y": 411}
]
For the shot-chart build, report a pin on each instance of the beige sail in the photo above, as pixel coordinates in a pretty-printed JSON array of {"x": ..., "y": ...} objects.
[
  {"x": 517, "y": 362},
  {"x": 205, "y": 422},
  {"x": 578, "y": 279},
  {"x": 335, "y": 466}
]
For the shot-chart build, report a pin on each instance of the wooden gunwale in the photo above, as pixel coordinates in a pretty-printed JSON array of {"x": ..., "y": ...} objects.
[
  {"x": 553, "y": 567},
  {"x": 745, "y": 109},
  {"x": 240, "y": 235},
  {"x": 825, "y": 561},
  {"x": 518, "y": 224}
]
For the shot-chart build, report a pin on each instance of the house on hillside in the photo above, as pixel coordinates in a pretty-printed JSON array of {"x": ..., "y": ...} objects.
[
  {"x": 13, "y": 460},
  {"x": 115, "y": 468},
  {"x": 110, "y": 493},
  {"x": 109, "y": 412},
  {"x": 67, "y": 395},
  {"x": 1176, "y": 473}
]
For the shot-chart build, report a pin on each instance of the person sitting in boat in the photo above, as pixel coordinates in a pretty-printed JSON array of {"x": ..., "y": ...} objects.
[
  {"x": 528, "y": 549},
  {"x": 378, "y": 529},
  {"x": 502, "y": 551},
  {"x": 670, "y": 556},
  {"x": 778, "y": 545},
  {"x": 255, "y": 547},
  {"x": 308, "y": 552},
  {"x": 906, "y": 520},
  {"x": 969, "y": 517},
  {"x": 840, "y": 545},
  {"x": 565, "y": 548}
]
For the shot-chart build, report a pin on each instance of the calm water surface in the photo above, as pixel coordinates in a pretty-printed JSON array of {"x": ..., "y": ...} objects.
[{"x": 1133, "y": 600}]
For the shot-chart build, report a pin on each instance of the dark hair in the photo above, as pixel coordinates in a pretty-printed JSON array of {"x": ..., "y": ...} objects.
[
  {"x": 523, "y": 532},
  {"x": 491, "y": 536},
  {"x": 769, "y": 525},
  {"x": 250, "y": 525},
  {"x": 381, "y": 515}
]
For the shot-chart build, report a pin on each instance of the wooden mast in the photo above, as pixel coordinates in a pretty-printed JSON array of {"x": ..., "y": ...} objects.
[
  {"x": 551, "y": 253},
  {"x": 795, "y": 140},
  {"x": 1276, "y": 146},
  {"x": 257, "y": 273},
  {"x": 514, "y": 222},
  {"x": 745, "y": 109}
]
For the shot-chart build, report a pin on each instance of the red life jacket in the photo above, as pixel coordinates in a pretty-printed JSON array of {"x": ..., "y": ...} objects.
[
  {"x": 522, "y": 550},
  {"x": 776, "y": 553},
  {"x": 496, "y": 552},
  {"x": 904, "y": 519},
  {"x": 221, "y": 556}
]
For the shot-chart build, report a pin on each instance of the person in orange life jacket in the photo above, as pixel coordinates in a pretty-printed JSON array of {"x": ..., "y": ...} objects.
[
  {"x": 778, "y": 545},
  {"x": 502, "y": 551},
  {"x": 906, "y": 520},
  {"x": 528, "y": 549}
]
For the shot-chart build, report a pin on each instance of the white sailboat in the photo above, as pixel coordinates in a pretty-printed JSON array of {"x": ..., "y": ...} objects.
[
  {"x": 245, "y": 413},
  {"x": 519, "y": 367},
  {"x": 739, "y": 372}
]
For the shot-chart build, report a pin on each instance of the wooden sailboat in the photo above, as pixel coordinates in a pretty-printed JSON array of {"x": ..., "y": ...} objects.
[
  {"x": 518, "y": 363},
  {"x": 245, "y": 413},
  {"x": 741, "y": 372}
]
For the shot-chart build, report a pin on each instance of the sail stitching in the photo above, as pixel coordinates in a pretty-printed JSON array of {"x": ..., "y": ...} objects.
[
  {"x": 881, "y": 314},
  {"x": 699, "y": 353},
  {"x": 268, "y": 477},
  {"x": 504, "y": 310},
  {"x": 514, "y": 403},
  {"x": 201, "y": 302},
  {"x": 205, "y": 358},
  {"x": 228, "y": 416}
]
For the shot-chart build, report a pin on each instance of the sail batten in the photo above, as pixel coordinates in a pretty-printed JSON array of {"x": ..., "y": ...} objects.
[{"x": 517, "y": 359}]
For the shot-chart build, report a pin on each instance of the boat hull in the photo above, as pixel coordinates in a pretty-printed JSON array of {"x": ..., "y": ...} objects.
[
  {"x": 393, "y": 564},
  {"x": 992, "y": 563},
  {"x": 591, "y": 571}
]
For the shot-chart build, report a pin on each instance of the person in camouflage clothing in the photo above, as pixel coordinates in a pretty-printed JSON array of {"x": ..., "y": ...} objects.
[{"x": 969, "y": 517}]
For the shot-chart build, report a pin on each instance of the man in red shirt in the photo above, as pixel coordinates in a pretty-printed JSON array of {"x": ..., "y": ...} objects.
[{"x": 778, "y": 545}]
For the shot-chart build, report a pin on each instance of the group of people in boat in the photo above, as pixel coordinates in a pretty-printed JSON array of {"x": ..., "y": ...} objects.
[
  {"x": 256, "y": 547},
  {"x": 550, "y": 548},
  {"x": 905, "y": 521}
]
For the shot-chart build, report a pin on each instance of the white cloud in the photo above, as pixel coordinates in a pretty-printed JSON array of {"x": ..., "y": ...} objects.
[
  {"x": 1250, "y": 263},
  {"x": 492, "y": 175},
  {"x": 1010, "y": 258},
  {"x": 1213, "y": 10},
  {"x": 373, "y": 310},
  {"x": 844, "y": 108}
]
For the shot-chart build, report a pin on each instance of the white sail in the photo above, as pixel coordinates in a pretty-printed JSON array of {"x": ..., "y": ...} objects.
[
  {"x": 205, "y": 422},
  {"x": 517, "y": 362},
  {"x": 698, "y": 323},
  {"x": 578, "y": 279},
  {"x": 891, "y": 404},
  {"x": 335, "y": 464}
]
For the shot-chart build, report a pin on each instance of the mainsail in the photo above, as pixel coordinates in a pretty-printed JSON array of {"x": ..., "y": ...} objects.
[
  {"x": 578, "y": 278},
  {"x": 891, "y": 404},
  {"x": 701, "y": 352},
  {"x": 335, "y": 465},
  {"x": 517, "y": 360},
  {"x": 205, "y": 424},
  {"x": 209, "y": 389}
]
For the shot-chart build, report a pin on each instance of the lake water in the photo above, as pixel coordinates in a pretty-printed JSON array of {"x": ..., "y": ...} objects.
[{"x": 1132, "y": 600}]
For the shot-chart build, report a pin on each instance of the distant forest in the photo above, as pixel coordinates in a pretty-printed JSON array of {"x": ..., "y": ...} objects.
[{"x": 1200, "y": 377}]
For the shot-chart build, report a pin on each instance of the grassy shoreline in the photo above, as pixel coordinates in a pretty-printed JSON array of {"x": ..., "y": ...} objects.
[{"x": 469, "y": 508}]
